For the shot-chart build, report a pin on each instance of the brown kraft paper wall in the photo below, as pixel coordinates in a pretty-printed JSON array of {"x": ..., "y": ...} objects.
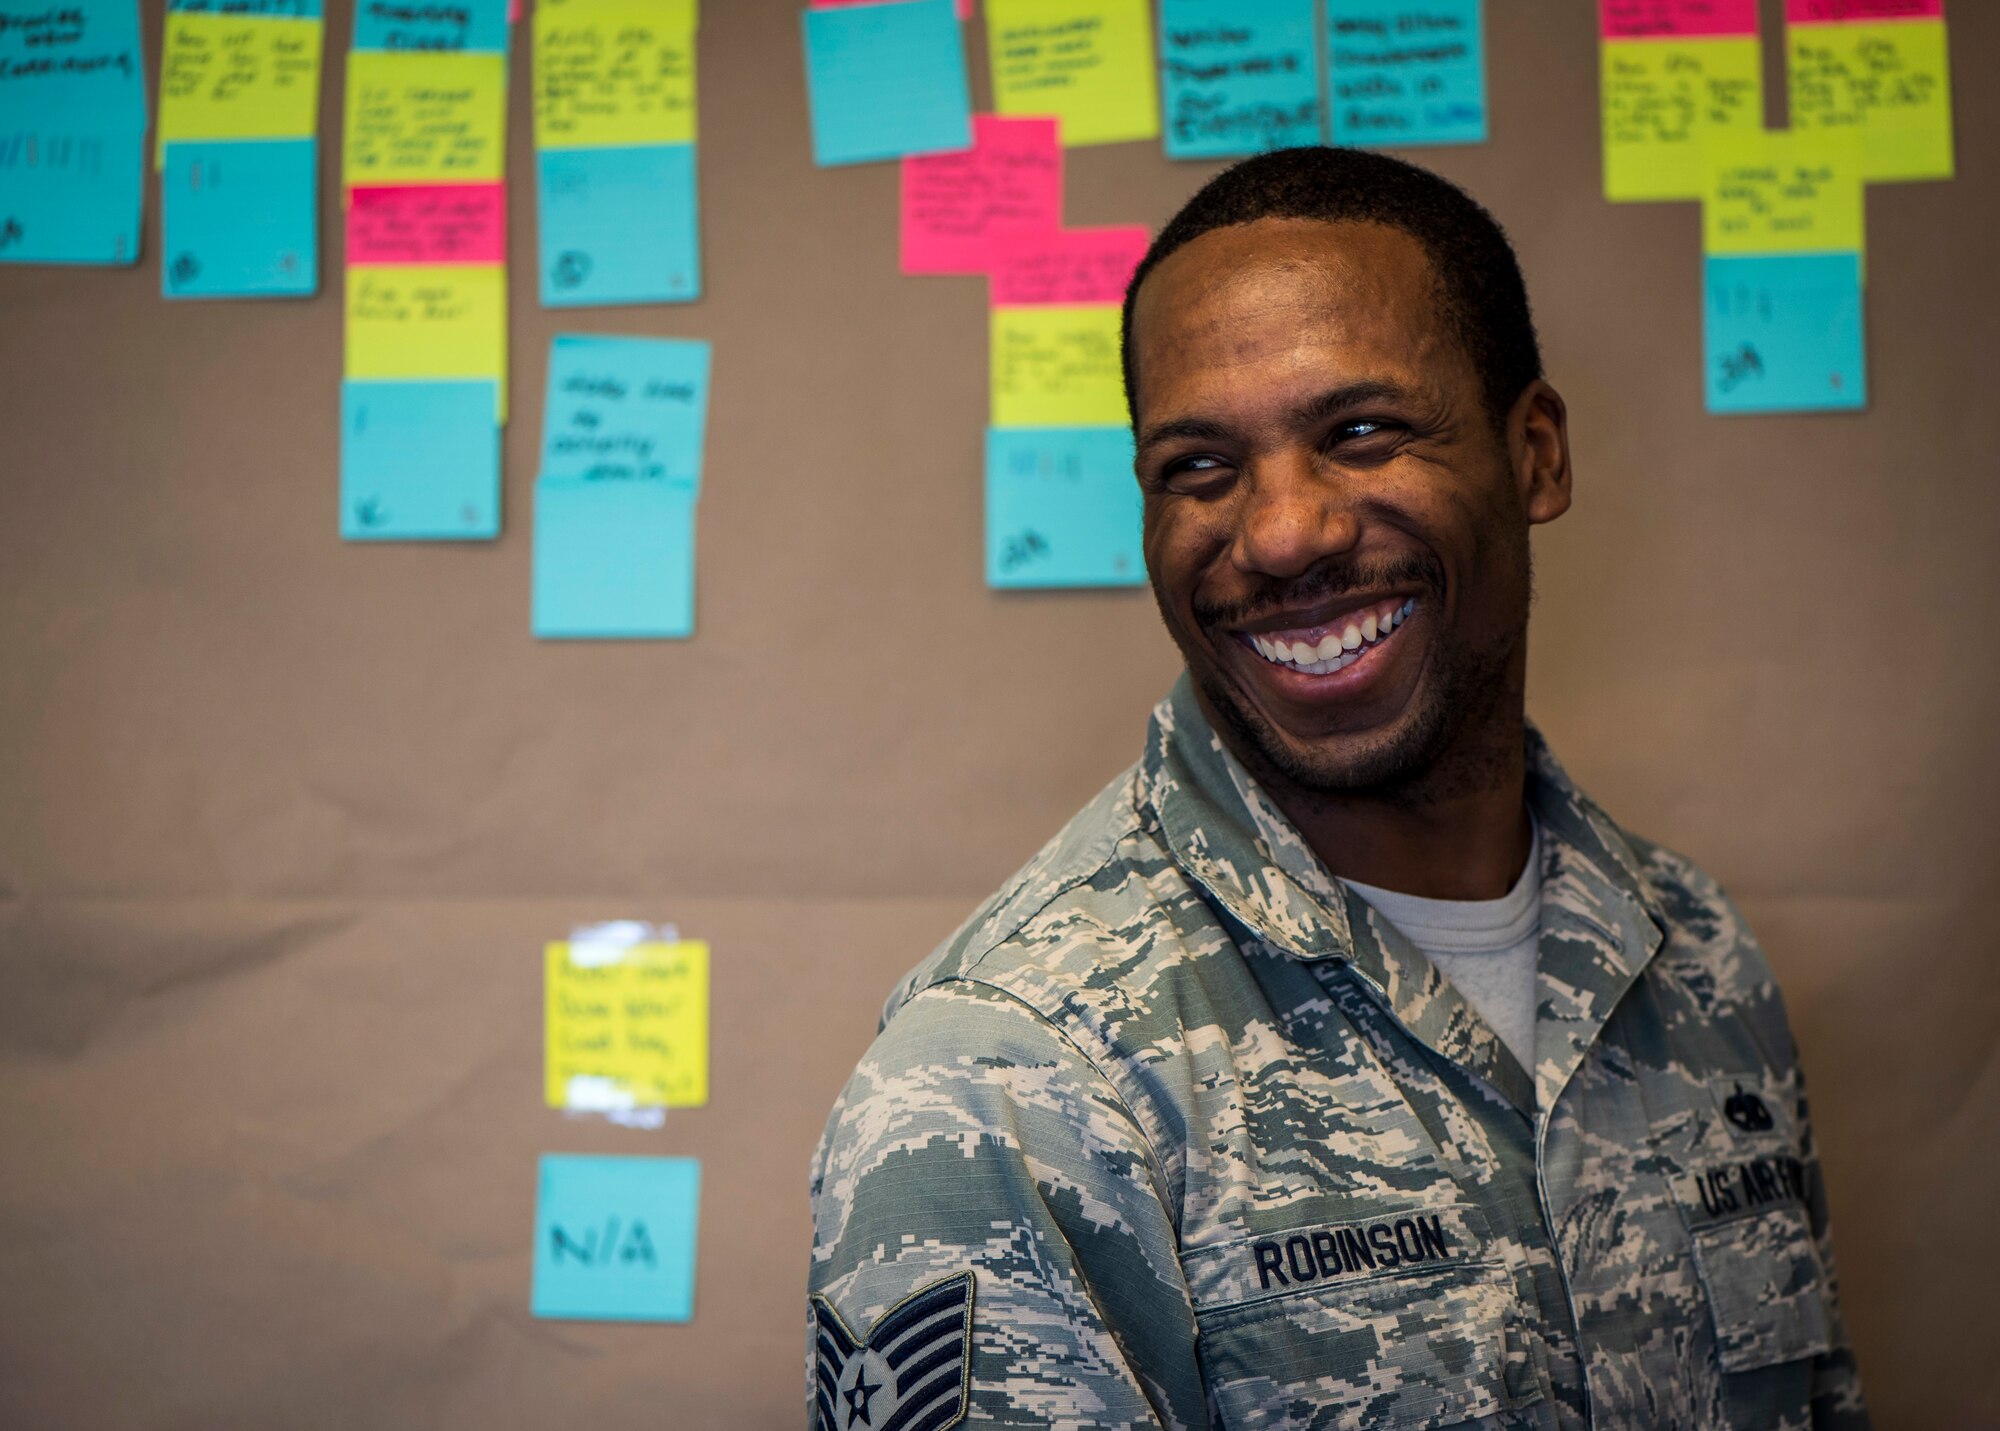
[{"x": 287, "y": 821}]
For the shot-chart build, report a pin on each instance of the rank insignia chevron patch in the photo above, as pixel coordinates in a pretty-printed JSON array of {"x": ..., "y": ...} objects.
[{"x": 913, "y": 1372}]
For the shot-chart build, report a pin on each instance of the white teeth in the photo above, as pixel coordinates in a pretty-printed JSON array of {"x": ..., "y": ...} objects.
[
  {"x": 1303, "y": 654},
  {"x": 1329, "y": 647},
  {"x": 1351, "y": 637},
  {"x": 1368, "y": 631},
  {"x": 1408, "y": 607}
]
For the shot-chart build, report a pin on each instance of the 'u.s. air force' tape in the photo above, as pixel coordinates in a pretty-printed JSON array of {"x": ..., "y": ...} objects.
[{"x": 913, "y": 1370}]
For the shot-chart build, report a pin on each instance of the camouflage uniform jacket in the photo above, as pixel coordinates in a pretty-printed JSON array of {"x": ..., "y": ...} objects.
[{"x": 1176, "y": 1132}]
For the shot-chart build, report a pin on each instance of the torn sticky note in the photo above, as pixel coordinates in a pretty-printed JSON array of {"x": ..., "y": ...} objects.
[
  {"x": 614, "y": 72},
  {"x": 1889, "y": 81},
  {"x": 1056, "y": 367},
  {"x": 1087, "y": 62},
  {"x": 618, "y": 225},
  {"x": 613, "y": 559},
  {"x": 71, "y": 195},
  {"x": 425, "y": 118},
  {"x": 1238, "y": 78},
  {"x": 232, "y": 77},
  {"x": 74, "y": 68},
  {"x": 1783, "y": 332},
  {"x": 615, "y": 1238},
  {"x": 1662, "y": 100},
  {"x": 1402, "y": 72},
  {"x": 419, "y": 461},
  {"x": 427, "y": 320},
  {"x": 886, "y": 81},
  {"x": 1069, "y": 266},
  {"x": 624, "y": 409},
  {"x": 427, "y": 223},
  {"x": 954, "y": 204},
  {"x": 240, "y": 218},
  {"x": 1788, "y": 192},
  {"x": 1651, "y": 19},
  {"x": 633, "y": 1027},
  {"x": 408, "y": 26},
  {"x": 1062, "y": 508}
]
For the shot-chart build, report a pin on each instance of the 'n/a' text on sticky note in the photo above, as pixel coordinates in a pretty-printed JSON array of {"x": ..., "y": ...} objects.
[
  {"x": 1069, "y": 266},
  {"x": 618, "y": 225},
  {"x": 405, "y": 27},
  {"x": 955, "y": 204},
  {"x": 231, "y": 77},
  {"x": 1651, "y": 19},
  {"x": 1402, "y": 72},
  {"x": 886, "y": 81},
  {"x": 1062, "y": 508},
  {"x": 1238, "y": 78},
  {"x": 1663, "y": 100},
  {"x": 615, "y": 1238},
  {"x": 614, "y": 72},
  {"x": 71, "y": 195},
  {"x": 425, "y": 118},
  {"x": 1889, "y": 81},
  {"x": 1056, "y": 367},
  {"x": 1788, "y": 192},
  {"x": 427, "y": 223},
  {"x": 1783, "y": 332},
  {"x": 1087, "y": 62},
  {"x": 427, "y": 320},
  {"x": 613, "y": 560},
  {"x": 240, "y": 218},
  {"x": 627, "y": 1028},
  {"x": 626, "y": 409},
  {"x": 419, "y": 461}
]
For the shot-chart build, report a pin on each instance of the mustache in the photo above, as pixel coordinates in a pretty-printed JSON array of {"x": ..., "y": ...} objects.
[{"x": 1322, "y": 583}]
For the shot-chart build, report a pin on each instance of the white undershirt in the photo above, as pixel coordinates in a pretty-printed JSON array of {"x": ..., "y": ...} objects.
[{"x": 1486, "y": 947}]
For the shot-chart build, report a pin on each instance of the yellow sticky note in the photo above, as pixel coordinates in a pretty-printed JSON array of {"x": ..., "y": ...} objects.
[
  {"x": 425, "y": 118},
  {"x": 428, "y": 320},
  {"x": 1783, "y": 193},
  {"x": 1057, "y": 367},
  {"x": 1662, "y": 100},
  {"x": 628, "y": 1030},
  {"x": 614, "y": 72},
  {"x": 239, "y": 77},
  {"x": 1088, "y": 62},
  {"x": 1889, "y": 81}
]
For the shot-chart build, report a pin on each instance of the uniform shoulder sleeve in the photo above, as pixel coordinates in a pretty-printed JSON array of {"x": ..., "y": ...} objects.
[{"x": 978, "y": 1156}]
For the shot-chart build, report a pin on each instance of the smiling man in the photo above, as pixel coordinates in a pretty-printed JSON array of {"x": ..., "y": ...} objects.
[{"x": 1342, "y": 1064}]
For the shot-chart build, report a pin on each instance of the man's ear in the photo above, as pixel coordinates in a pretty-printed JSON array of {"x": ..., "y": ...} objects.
[{"x": 1538, "y": 446}]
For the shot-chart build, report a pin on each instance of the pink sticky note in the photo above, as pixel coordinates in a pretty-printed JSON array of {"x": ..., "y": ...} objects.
[
  {"x": 427, "y": 223},
  {"x": 1819, "y": 12},
  {"x": 964, "y": 6},
  {"x": 1010, "y": 180},
  {"x": 1071, "y": 266},
  {"x": 1640, "y": 19}
]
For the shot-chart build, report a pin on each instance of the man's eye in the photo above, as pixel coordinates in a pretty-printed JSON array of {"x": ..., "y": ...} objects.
[
  {"x": 1364, "y": 436},
  {"x": 1190, "y": 473}
]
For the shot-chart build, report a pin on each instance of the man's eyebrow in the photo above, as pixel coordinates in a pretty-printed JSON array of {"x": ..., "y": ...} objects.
[{"x": 1314, "y": 410}]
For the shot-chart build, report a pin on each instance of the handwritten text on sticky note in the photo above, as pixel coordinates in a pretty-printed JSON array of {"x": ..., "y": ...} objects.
[
  {"x": 634, "y": 1027},
  {"x": 1783, "y": 193},
  {"x": 226, "y": 77},
  {"x": 1056, "y": 367},
  {"x": 1662, "y": 100},
  {"x": 615, "y": 1238},
  {"x": 1088, "y": 62},
  {"x": 425, "y": 119},
  {"x": 1070, "y": 266},
  {"x": 427, "y": 223},
  {"x": 426, "y": 321},
  {"x": 1890, "y": 82},
  {"x": 614, "y": 72},
  {"x": 954, "y": 204}
]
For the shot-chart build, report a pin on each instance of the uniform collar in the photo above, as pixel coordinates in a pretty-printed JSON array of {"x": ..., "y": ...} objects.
[{"x": 1600, "y": 920}]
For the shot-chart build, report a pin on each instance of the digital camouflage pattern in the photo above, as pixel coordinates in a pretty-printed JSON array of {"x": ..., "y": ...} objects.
[{"x": 1220, "y": 1148}]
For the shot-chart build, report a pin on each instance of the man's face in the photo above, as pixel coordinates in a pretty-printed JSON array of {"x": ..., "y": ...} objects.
[{"x": 1336, "y": 528}]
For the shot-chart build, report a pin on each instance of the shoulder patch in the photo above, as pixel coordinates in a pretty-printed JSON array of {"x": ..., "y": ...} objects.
[{"x": 912, "y": 1372}]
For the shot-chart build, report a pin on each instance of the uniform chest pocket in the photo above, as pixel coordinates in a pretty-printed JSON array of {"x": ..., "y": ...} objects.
[
  {"x": 1418, "y": 1348},
  {"x": 1765, "y": 1287}
]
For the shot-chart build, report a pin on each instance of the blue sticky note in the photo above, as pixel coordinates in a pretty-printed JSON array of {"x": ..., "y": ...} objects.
[
  {"x": 626, "y": 408},
  {"x": 1783, "y": 332},
  {"x": 615, "y": 1238},
  {"x": 613, "y": 559},
  {"x": 71, "y": 196},
  {"x": 240, "y": 218},
  {"x": 419, "y": 461},
  {"x": 1238, "y": 76},
  {"x": 886, "y": 80},
  {"x": 619, "y": 225},
  {"x": 415, "y": 25},
  {"x": 72, "y": 67},
  {"x": 1406, "y": 73},
  {"x": 1062, "y": 508}
]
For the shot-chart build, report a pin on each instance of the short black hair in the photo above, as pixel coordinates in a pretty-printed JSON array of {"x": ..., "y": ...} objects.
[{"x": 1481, "y": 294}]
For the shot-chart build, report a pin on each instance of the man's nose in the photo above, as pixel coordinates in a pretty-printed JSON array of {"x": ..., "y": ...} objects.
[{"x": 1294, "y": 513}]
